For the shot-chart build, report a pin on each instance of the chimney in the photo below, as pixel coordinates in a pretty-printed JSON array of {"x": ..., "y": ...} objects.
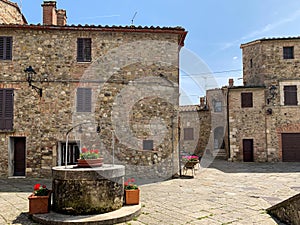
[
  {"x": 61, "y": 17},
  {"x": 230, "y": 82},
  {"x": 202, "y": 100},
  {"x": 49, "y": 13}
]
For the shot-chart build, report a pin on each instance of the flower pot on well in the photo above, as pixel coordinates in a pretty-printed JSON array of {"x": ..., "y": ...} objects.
[
  {"x": 132, "y": 197},
  {"x": 90, "y": 162},
  {"x": 39, "y": 204}
]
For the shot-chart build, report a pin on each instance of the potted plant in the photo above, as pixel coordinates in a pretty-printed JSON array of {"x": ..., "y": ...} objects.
[
  {"x": 190, "y": 162},
  {"x": 190, "y": 158},
  {"x": 89, "y": 158},
  {"x": 39, "y": 200},
  {"x": 132, "y": 192}
]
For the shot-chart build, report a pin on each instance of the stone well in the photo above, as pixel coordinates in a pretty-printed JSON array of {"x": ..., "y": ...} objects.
[{"x": 83, "y": 191}]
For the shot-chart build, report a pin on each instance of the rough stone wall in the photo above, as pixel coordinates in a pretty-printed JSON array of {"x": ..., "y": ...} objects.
[
  {"x": 268, "y": 63},
  {"x": 10, "y": 13},
  {"x": 120, "y": 59},
  {"x": 253, "y": 73},
  {"x": 287, "y": 211},
  {"x": 199, "y": 120},
  {"x": 218, "y": 118},
  {"x": 247, "y": 123},
  {"x": 189, "y": 119}
]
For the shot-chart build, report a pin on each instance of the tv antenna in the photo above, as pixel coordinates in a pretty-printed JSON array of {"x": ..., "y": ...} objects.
[
  {"x": 133, "y": 18},
  {"x": 21, "y": 5}
]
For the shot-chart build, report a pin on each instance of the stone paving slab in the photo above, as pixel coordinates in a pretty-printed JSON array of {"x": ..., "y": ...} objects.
[{"x": 226, "y": 192}]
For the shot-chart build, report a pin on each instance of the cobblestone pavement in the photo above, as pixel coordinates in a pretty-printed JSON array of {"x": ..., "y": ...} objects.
[{"x": 224, "y": 193}]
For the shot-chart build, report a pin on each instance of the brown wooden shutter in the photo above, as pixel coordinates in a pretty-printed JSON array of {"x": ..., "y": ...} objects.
[
  {"x": 188, "y": 134},
  {"x": 8, "y": 50},
  {"x": 80, "y": 50},
  {"x": 290, "y": 95},
  {"x": 5, "y": 48},
  {"x": 84, "y": 100},
  {"x": 84, "y": 50},
  {"x": 247, "y": 100},
  {"x": 1, "y": 47},
  {"x": 6, "y": 109}
]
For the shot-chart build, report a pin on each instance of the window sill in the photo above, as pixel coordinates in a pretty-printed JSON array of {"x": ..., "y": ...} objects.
[
  {"x": 6, "y": 131},
  {"x": 86, "y": 62}
]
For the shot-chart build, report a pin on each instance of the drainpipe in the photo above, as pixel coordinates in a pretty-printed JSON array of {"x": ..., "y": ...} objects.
[
  {"x": 172, "y": 127},
  {"x": 228, "y": 128}
]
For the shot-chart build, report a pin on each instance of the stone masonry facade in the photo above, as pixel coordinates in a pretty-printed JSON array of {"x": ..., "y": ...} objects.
[
  {"x": 134, "y": 79},
  {"x": 270, "y": 66},
  {"x": 194, "y": 118},
  {"x": 10, "y": 13}
]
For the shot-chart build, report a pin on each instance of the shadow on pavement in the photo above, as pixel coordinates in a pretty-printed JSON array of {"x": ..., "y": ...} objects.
[
  {"x": 21, "y": 184},
  {"x": 24, "y": 220},
  {"x": 246, "y": 167}
]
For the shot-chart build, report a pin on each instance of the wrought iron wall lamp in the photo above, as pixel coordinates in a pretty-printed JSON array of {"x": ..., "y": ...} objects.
[{"x": 30, "y": 72}]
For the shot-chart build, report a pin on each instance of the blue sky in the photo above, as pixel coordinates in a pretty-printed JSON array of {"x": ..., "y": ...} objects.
[{"x": 216, "y": 29}]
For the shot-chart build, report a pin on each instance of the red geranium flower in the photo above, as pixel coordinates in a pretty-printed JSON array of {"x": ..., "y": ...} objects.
[
  {"x": 36, "y": 187},
  {"x": 96, "y": 151},
  {"x": 84, "y": 150}
]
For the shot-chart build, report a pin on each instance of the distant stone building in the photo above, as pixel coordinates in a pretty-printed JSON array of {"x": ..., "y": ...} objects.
[
  {"x": 194, "y": 128},
  {"x": 10, "y": 13},
  {"x": 261, "y": 118},
  {"x": 124, "y": 79},
  {"x": 264, "y": 117}
]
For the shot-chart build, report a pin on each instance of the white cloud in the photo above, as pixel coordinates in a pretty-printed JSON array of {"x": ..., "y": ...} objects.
[{"x": 263, "y": 30}]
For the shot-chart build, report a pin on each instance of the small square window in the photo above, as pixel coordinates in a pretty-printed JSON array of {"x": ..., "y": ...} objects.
[
  {"x": 147, "y": 144},
  {"x": 288, "y": 52},
  {"x": 218, "y": 106},
  {"x": 247, "y": 100}
]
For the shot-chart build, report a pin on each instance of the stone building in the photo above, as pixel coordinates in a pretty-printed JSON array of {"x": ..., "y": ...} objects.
[
  {"x": 264, "y": 117},
  {"x": 10, "y": 13},
  {"x": 57, "y": 79},
  {"x": 262, "y": 120},
  {"x": 194, "y": 128}
]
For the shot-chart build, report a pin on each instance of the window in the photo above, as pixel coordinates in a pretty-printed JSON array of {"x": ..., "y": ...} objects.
[
  {"x": 6, "y": 109},
  {"x": 247, "y": 100},
  {"x": 251, "y": 63},
  {"x": 84, "y": 50},
  {"x": 73, "y": 153},
  {"x": 5, "y": 48},
  {"x": 148, "y": 144},
  {"x": 188, "y": 134},
  {"x": 218, "y": 106},
  {"x": 84, "y": 100},
  {"x": 288, "y": 52},
  {"x": 290, "y": 95}
]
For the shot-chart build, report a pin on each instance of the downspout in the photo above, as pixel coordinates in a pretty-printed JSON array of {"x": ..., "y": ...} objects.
[{"x": 228, "y": 128}]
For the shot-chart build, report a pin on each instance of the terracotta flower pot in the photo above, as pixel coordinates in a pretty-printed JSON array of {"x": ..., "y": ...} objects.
[
  {"x": 132, "y": 197},
  {"x": 90, "y": 162},
  {"x": 39, "y": 204}
]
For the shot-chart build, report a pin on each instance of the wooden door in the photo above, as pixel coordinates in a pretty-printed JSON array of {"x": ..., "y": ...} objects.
[
  {"x": 19, "y": 156},
  {"x": 248, "y": 150},
  {"x": 291, "y": 147}
]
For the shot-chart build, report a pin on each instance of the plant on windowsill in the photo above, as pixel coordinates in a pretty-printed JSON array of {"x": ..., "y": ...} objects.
[
  {"x": 89, "y": 158},
  {"x": 132, "y": 192},
  {"x": 39, "y": 200}
]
